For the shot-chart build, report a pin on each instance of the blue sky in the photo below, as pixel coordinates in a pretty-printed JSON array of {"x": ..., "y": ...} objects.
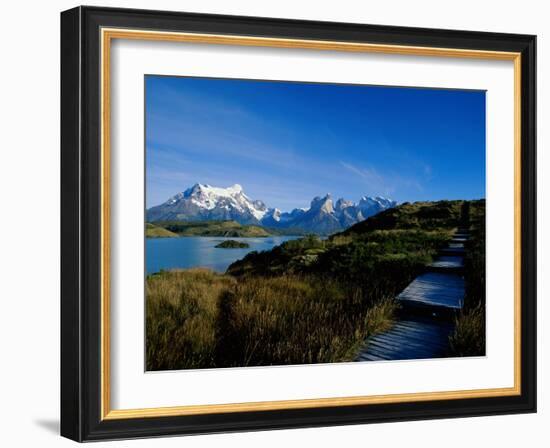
[{"x": 287, "y": 142}]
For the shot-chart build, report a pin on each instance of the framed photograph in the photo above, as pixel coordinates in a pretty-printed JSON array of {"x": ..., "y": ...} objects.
[{"x": 276, "y": 224}]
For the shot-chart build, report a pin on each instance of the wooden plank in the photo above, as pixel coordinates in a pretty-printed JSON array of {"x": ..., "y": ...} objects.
[
  {"x": 440, "y": 340},
  {"x": 397, "y": 344},
  {"x": 432, "y": 335},
  {"x": 424, "y": 325},
  {"x": 388, "y": 350},
  {"x": 412, "y": 353},
  {"x": 392, "y": 354},
  {"x": 437, "y": 278},
  {"x": 438, "y": 289},
  {"x": 420, "y": 332},
  {"x": 427, "y": 288},
  {"x": 427, "y": 292},
  {"x": 431, "y": 295},
  {"x": 439, "y": 301},
  {"x": 425, "y": 333},
  {"x": 385, "y": 353},
  {"x": 409, "y": 339},
  {"x": 456, "y": 245},
  {"x": 438, "y": 307},
  {"x": 392, "y": 341},
  {"x": 369, "y": 357},
  {"x": 442, "y": 287},
  {"x": 433, "y": 278},
  {"x": 448, "y": 261}
]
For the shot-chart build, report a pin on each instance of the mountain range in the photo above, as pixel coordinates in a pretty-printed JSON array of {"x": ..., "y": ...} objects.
[{"x": 207, "y": 203}]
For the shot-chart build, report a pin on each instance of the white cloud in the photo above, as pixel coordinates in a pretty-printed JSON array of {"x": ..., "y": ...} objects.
[{"x": 386, "y": 183}]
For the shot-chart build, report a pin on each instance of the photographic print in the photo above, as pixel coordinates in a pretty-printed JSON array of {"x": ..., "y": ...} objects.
[{"x": 297, "y": 223}]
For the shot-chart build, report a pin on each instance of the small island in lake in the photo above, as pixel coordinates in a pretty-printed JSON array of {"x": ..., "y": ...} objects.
[{"x": 232, "y": 244}]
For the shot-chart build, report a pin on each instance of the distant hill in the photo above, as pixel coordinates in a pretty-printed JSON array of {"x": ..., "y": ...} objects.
[
  {"x": 212, "y": 228},
  {"x": 209, "y": 203},
  {"x": 152, "y": 231}
]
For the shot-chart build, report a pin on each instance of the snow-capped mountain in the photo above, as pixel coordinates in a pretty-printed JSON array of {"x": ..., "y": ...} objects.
[
  {"x": 208, "y": 203},
  {"x": 326, "y": 216}
]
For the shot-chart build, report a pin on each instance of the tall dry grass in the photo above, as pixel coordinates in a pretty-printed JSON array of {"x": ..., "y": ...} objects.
[
  {"x": 181, "y": 317},
  {"x": 468, "y": 338},
  {"x": 198, "y": 319},
  {"x": 292, "y": 320}
]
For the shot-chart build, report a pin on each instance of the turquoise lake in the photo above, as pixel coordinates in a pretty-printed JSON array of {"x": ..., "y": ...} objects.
[{"x": 200, "y": 251}]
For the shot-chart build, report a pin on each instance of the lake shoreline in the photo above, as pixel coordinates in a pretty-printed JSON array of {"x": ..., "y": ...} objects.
[{"x": 192, "y": 251}]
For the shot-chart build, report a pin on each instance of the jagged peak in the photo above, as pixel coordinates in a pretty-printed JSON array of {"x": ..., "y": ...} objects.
[{"x": 343, "y": 203}]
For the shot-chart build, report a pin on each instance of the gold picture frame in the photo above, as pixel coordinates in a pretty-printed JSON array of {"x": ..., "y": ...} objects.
[{"x": 106, "y": 31}]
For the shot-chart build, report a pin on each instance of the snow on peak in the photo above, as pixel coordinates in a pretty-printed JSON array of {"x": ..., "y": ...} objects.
[
  {"x": 275, "y": 214},
  {"x": 209, "y": 197},
  {"x": 175, "y": 198}
]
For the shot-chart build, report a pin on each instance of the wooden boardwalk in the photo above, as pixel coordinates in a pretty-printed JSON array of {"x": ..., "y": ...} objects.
[
  {"x": 409, "y": 339},
  {"x": 427, "y": 303}
]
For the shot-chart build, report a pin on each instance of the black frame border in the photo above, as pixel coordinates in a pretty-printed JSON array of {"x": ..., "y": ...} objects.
[{"x": 81, "y": 223}]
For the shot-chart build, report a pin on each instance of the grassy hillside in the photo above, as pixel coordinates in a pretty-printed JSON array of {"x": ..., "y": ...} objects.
[
  {"x": 305, "y": 301},
  {"x": 469, "y": 336},
  {"x": 213, "y": 228},
  {"x": 424, "y": 216},
  {"x": 153, "y": 231},
  {"x": 401, "y": 239}
]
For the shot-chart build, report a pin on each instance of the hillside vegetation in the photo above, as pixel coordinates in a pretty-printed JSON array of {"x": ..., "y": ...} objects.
[
  {"x": 423, "y": 216},
  {"x": 213, "y": 228},
  {"x": 152, "y": 231},
  {"x": 402, "y": 239},
  {"x": 469, "y": 335},
  {"x": 306, "y": 301}
]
